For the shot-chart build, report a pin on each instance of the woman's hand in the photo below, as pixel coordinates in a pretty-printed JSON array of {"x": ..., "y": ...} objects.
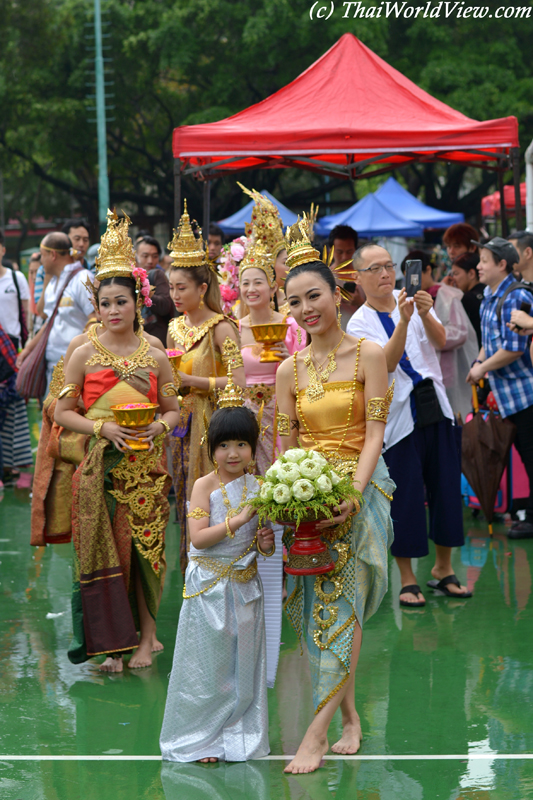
[
  {"x": 184, "y": 378},
  {"x": 519, "y": 319},
  {"x": 344, "y": 509},
  {"x": 118, "y": 435},
  {"x": 280, "y": 348},
  {"x": 148, "y": 433},
  {"x": 266, "y": 539},
  {"x": 21, "y": 357}
]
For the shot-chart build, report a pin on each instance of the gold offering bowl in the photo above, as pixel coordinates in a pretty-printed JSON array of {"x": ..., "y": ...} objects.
[
  {"x": 268, "y": 335},
  {"x": 133, "y": 415},
  {"x": 175, "y": 360}
]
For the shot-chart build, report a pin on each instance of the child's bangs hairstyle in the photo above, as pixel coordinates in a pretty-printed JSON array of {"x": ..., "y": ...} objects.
[{"x": 232, "y": 423}]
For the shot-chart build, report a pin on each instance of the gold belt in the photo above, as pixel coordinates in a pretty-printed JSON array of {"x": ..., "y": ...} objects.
[
  {"x": 260, "y": 393},
  {"x": 344, "y": 465},
  {"x": 221, "y": 570}
]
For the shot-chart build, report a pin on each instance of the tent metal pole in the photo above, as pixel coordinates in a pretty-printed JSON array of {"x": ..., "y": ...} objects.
[
  {"x": 515, "y": 156},
  {"x": 207, "y": 207},
  {"x": 503, "y": 210},
  {"x": 177, "y": 191}
]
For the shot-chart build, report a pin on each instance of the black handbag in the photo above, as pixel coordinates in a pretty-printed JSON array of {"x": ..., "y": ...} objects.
[{"x": 428, "y": 410}]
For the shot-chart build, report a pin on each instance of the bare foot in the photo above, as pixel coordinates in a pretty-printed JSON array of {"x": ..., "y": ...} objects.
[
  {"x": 112, "y": 665},
  {"x": 207, "y": 760},
  {"x": 309, "y": 755},
  {"x": 142, "y": 657},
  {"x": 350, "y": 740},
  {"x": 156, "y": 645},
  {"x": 439, "y": 575}
]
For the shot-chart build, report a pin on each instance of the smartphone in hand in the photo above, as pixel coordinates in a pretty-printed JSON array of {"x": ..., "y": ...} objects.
[{"x": 413, "y": 276}]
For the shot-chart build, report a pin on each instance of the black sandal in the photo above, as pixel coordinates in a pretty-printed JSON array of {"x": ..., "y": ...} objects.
[
  {"x": 414, "y": 588},
  {"x": 439, "y": 587}
]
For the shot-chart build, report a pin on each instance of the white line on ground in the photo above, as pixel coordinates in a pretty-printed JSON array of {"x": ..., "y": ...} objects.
[{"x": 467, "y": 757}]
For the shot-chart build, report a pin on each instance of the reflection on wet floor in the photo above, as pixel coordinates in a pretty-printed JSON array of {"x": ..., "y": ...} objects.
[{"x": 453, "y": 678}]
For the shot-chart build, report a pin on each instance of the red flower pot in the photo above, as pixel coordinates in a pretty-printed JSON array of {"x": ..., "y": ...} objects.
[{"x": 309, "y": 555}]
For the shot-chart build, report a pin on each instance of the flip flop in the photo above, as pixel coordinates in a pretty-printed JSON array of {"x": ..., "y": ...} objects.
[
  {"x": 439, "y": 587},
  {"x": 412, "y": 589}
]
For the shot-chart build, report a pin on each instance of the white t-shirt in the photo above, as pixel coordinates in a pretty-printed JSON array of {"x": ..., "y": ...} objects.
[
  {"x": 423, "y": 357},
  {"x": 9, "y": 305},
  {"x": 73, "y": 311}
]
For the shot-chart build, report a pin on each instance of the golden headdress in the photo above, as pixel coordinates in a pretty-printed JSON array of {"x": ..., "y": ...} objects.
[
  {"x": 266, "y": 222},
  {"x": 232, "y": 396},
  {"x": 186, "y": 250},
  {"x": 257, "y": 256},
  {"x": 116, "y": 257},
  {"x": 298, "y": 242}
]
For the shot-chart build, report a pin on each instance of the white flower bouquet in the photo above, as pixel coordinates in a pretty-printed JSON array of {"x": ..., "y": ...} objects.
[{"x": 301, "y": 486}]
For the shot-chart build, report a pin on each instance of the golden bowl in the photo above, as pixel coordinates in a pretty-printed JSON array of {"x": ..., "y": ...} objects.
[
  {"x": 174, "y": 359},
  {"x": 268, "y": 335},
  {"x": 135, "y": 415}
]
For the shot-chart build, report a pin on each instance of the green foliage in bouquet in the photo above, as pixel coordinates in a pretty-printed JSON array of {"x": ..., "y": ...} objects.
[{"x": 301, "y": 486}]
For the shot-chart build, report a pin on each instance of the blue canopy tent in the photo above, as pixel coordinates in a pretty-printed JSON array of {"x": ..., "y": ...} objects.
[
  {"x": 234, "y": 226},
  {"x": 370, "y": 218},
  {"x": 402, "y": 202}
]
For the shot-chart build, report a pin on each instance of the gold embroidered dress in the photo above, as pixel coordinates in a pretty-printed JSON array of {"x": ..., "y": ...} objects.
[
  {"x": 201, "y": 359},
  {"x": 325, "y": 608},
  {"x": 120, "y": 512}
]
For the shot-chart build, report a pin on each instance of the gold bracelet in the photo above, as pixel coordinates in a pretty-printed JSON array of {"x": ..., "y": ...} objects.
[
  {"x": 357, "y": 506},
  {"x": 97, "y": 427},
  {"x": 165, "y": 425},
  {"x": 212, "y": 385},
  {"x": 229, "y": 532},
  {"x": 262, "y": 552}
]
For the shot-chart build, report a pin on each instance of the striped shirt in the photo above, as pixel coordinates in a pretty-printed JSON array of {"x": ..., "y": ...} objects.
[
  {"x": 38, "y": 285},
  {"x": 513, "y": 384}
]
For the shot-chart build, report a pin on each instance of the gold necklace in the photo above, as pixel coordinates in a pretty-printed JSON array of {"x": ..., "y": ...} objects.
[
  {"x": 123, "y": 366},
  {"x": 232, "y": 512},
  {"x": 261, "y": 323},
  {"x": 316, "y": 444},
  {"x": 317, "y": 377}
]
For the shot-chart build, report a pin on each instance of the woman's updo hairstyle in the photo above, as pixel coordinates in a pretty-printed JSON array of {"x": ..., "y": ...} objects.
[
  {"x": 313, "y": 266},
  {"x": 128, "y": 283}
]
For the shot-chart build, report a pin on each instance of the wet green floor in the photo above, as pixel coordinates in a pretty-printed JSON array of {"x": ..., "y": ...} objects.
[{"x": 455, "y": 679}]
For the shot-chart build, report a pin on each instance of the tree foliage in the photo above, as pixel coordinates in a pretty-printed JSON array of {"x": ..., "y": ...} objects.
[{"x": 178, "y": 62}]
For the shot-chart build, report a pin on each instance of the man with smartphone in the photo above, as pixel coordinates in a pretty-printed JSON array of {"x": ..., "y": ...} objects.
[
  {"x": 505, "y": 356},
  {"x": 420, "y": 445}
]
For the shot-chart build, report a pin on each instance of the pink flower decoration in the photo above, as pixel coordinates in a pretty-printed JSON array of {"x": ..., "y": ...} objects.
[{"x": 237, "y": 251}]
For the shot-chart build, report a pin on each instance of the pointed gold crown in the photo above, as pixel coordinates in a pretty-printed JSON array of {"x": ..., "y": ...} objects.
[
  {"x": 116, "y": 257},
  {"x": 298, "y": 242},
  {"x": 186, "y": 250},
  {"x": 256, "y": 256},
  {"x": 266, "y": 222},
  {"x": 232, "y": 395}
]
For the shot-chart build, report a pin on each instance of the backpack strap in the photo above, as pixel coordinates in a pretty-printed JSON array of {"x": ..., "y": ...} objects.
[{"x": 513, "y": 287}]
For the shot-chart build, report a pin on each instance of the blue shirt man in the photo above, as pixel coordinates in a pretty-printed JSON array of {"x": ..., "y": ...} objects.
[{"x": 505, "y": 356}]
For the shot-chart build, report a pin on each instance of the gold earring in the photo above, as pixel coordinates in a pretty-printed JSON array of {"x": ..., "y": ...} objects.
[
  {"x": 339, "y": 315},
  {"x": 251, "y": 464},
  {"x": 272, "y": 305},
  {"x": 215, "y": 462},
  {"x": 201, "y": 305},
  {"x": 299, "y": 335}
]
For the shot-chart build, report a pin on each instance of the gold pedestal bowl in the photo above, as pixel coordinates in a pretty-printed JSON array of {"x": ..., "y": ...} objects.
[
  {"x": 175, "y": 356},
  {"x": 135, "y": 415},
  {"x": 268, "y": 335}
]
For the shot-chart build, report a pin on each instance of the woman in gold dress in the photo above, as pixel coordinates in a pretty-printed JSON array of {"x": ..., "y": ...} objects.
[
  {"x": 120, "y": 509},
  {"x": 210, "y": 344},
  {"x": 344, "y": 419}
]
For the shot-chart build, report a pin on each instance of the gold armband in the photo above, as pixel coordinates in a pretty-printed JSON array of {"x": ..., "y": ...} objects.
[
  {"x": 198, "y": 513},
  {"x": 97, "y": 427},
  {"x": 165, "y": 424},
  {"x": 168, "y": 390},
  {"x": 377, "y": 408},
  {"x": 231, "y": 354},
  {"x": 212, "y": 385},
  {"x": 284, "y": 424},
  {"x": 70, "y": 390}
]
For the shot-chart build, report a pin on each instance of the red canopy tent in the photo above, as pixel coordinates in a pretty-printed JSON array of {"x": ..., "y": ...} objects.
[
  {"x": 347, "y": 111},
  {"x": 491, "y": 204}
]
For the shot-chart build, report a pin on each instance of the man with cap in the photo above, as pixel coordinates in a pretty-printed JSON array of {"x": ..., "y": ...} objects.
[{"x": 505, "y": 356}]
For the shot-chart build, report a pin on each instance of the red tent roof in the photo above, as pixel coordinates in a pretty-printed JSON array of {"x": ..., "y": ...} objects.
[
  {"x": 491, "y": 204},
  {"x": 349, "y": 107}
]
